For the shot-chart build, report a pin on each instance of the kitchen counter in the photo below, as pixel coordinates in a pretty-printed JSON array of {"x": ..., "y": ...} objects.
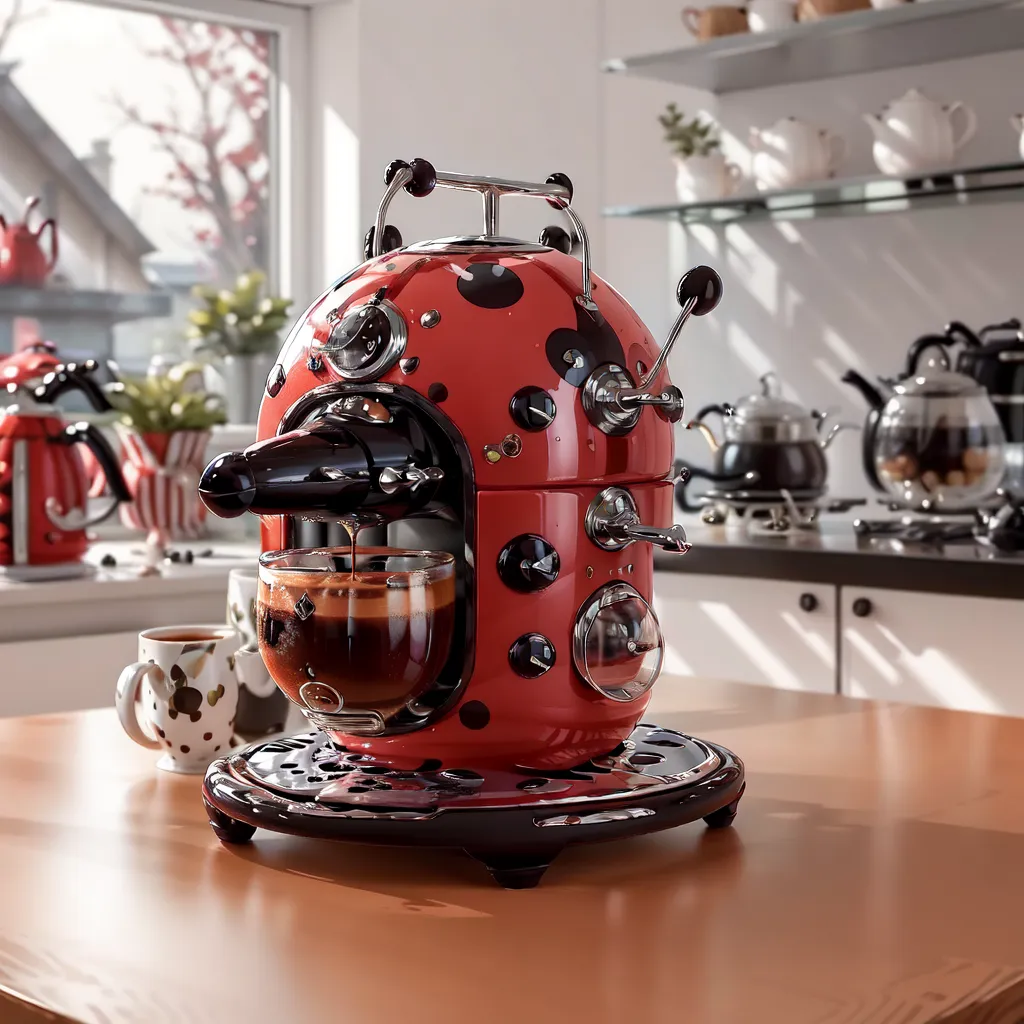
[
  {"x": 834, "y": 554},
  {"x": 873, "y": 874},
  {"x": 118, "y": 598}
]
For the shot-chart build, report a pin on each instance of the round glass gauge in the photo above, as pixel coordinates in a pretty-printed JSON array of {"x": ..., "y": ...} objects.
[{"x": 617, "y": 643}]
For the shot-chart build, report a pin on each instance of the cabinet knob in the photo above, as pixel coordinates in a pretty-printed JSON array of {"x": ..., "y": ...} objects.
[
  {"x": 862, "y": 607},
  {"x": 808, "y": 602}
]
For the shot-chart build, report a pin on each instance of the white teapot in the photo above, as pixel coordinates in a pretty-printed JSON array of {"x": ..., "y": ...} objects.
[
  {"x": 916, "y": 133},
  {"x": 792, "y": 152}
]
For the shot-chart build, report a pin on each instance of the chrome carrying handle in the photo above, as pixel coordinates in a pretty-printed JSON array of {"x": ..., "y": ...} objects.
[{"x": 419, "y": 178}]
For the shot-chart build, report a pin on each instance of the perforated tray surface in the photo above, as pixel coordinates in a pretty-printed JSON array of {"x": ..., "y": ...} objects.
[{"x": 514, "y": 820}]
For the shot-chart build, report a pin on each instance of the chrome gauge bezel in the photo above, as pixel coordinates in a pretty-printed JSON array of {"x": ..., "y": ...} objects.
[
  {"x": 584, "y": 620},
  {"x": 389, "y": 354}
]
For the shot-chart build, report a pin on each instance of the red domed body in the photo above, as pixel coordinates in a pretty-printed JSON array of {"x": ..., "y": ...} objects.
[{"x": 483, "y": 323}]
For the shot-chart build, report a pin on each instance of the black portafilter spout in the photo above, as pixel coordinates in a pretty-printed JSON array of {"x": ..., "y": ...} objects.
[{"x": 355, "y": 457}]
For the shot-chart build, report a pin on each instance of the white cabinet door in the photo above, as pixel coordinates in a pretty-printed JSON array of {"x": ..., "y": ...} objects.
[
  {"x": 945, "y": 650},
  {"x": 66, "y": 674},
  {"x": 771, "y": 632}
]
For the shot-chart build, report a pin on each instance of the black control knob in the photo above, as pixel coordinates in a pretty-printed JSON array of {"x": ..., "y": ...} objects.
[
  {"x": 702, "y": 284},
  {"x": 555, "y": 237},
  {"x": 528, "y": 563},
  {"x": 862, "y": 607},
  {"x": 808, "y": 602},
  {"x": 531, "y": 655},
  {"x": 532, "y": 408}
]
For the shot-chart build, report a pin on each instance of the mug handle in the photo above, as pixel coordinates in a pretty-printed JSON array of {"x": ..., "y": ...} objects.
[
  {"x": 128, "y": 684},
  {"x": 691, "y": 19},
  {"x": 251, "y": 672}
]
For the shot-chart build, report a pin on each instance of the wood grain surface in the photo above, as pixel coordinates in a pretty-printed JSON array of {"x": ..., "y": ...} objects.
[{"x": 875, "y": 875}]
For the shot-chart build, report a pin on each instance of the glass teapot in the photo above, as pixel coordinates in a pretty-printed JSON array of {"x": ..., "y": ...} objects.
[{"x": 934, "y": 442}]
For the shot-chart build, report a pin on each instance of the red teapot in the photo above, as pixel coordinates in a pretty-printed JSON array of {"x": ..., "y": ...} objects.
[{"x": 22, "y": 259}]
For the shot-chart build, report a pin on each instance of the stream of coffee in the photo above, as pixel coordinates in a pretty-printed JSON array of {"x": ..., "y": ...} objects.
[{"x": 352, "y": 524}]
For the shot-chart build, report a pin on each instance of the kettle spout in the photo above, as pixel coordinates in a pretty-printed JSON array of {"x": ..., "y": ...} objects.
[
  {"x": 705, "y": 432},
  {"x": 836, "y": 429},
  {"x": 871, "y": 394}
]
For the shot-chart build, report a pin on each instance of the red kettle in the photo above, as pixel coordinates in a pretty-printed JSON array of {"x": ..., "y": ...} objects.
[
  {"x": 22, "y": 260},
  {"x": 43, "y": 482}
]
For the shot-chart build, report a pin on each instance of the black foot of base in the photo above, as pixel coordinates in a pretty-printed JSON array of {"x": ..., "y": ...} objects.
[
  {"x": 512, "y": 871},
  {"x": 228, "y": 830},
  {"x": 724, "y": 816}
]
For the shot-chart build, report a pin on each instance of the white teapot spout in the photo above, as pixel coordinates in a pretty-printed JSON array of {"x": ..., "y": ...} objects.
[
  {"x": 1018, "y": 122},
  {"x": 883, "y": 132}
]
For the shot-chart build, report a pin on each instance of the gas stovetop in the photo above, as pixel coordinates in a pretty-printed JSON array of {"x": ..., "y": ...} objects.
[
  {"x": 772, "y": 512},
  {"x": 999, "y": 525}
]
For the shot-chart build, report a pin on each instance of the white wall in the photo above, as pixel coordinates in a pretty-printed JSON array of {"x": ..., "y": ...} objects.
[{"x": 481, "y": 86}]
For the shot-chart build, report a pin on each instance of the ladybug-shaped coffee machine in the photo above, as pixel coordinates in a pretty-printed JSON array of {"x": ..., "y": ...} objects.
[{"x": 494, "y": 399}]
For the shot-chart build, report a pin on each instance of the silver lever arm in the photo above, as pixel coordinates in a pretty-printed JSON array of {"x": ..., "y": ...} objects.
[
  {"x": 613, "y": 523},
  {"x": 699, "y": 291},
  {"x": 419, "y": 178},
  {"x": 671, "y": 539}
]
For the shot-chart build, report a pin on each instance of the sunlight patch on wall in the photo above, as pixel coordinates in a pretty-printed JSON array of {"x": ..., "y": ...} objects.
[
  {"x": 753, "y": 268},
  {"x": 747, "y": 351}
]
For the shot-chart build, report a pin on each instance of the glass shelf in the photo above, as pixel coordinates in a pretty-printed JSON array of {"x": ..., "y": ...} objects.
[
  {"x": 845, "y": 44},
  {"x": 849, "y": 197}
]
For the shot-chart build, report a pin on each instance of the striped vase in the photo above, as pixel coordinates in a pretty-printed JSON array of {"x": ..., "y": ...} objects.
[{"x": 162, "y": 472}]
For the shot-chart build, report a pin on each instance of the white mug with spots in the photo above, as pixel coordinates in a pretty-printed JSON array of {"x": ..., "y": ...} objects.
[{"x": 182, "y": 694}]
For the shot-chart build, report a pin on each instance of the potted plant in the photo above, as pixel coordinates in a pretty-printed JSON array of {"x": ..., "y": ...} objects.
[
  {"x": 702, "y": 174},
  {"x": 240, "y": 326},
  {"x": 164, "y": 427}
]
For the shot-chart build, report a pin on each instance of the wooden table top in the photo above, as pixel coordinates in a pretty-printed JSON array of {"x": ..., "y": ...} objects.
[{"x": 875, "y": 874}]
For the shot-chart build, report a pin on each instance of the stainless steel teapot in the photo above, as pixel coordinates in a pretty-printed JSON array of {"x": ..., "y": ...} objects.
[{"x": 769, "y": 445}]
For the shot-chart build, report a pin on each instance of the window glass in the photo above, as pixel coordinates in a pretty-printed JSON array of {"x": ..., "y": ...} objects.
[{"x": 147, "y": 139}]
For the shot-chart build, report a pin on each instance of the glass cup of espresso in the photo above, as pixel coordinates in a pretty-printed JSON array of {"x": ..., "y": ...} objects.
[{"x": 356, "y": 638}]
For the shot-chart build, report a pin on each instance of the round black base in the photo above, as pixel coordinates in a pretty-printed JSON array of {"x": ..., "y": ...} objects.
[{"x": 515, "y": 821}]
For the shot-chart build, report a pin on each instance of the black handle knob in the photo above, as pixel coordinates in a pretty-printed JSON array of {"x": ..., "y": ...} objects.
[
  {"x": 702, "y": 284},
  {"x": 808, "y": 602},
  {"x": 392, "y": 240},
  {"x": 862, "y": 607},
  {"x": 555, "y": 237},
  {"x": 558, "y": 178},
  {"x": 424, "y": 178}
]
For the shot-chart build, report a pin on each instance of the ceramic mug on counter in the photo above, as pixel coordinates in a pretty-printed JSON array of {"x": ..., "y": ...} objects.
[
  {"x": 262, "y": 707},
  {"x": 181, "y": 695}
]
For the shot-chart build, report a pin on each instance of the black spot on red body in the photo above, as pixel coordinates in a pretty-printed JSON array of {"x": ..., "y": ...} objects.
[
  {"x": 490, "y": 285},
  {"x": 207, "y": 736},
  {"x": 474, "y": 714},
  {"x": 437, "y": 393},
  {"x": 592, "y": 344}
]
